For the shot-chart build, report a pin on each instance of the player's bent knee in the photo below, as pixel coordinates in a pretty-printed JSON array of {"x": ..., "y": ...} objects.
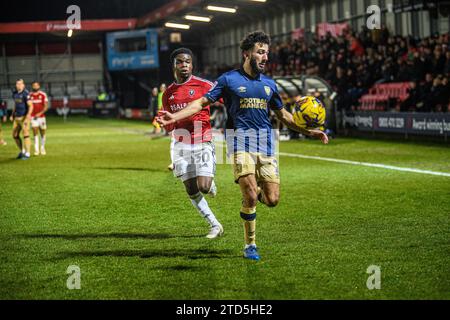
[
  {"x": 271, "y": 199},
  {"x": 272, "y": 202},
  {"x": 204, "y": 187}
]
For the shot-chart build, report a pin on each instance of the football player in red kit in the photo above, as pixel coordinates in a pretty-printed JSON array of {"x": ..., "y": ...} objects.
[
  {"x": 38, "y": 121},
  {"x": 192, "y": 150}
]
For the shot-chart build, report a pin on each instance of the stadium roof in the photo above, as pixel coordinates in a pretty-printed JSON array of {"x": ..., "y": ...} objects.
[
  {"x": 245, "y": 10},
  {"x": 46, "y": 10}
]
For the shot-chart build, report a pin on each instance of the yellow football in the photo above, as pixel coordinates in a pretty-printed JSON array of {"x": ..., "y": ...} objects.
[{"x": 309, "y": 113}]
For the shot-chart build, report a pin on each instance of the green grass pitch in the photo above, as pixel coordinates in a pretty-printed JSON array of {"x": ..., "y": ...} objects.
[{"x": 102, "y": 199}]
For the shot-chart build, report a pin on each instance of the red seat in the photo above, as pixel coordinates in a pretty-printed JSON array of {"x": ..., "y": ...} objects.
[{"x": 380, "y": 93}]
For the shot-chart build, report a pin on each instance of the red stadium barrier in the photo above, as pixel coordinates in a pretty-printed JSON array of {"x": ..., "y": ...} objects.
[
  {"x": 61, "y": 26},
  {"x": 73, "y": 103},
  {"x": 379, "y": 95}
]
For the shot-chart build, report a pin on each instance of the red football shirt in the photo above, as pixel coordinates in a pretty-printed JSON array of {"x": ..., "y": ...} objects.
[
  {"x": 176, "y": 97},
  {"x": 39, "y": 99}
]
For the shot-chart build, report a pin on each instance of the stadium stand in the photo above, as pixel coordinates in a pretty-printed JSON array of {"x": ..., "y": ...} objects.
[
  {"x": 72, "y": 70},
  {"x": 370, "y": 70}
]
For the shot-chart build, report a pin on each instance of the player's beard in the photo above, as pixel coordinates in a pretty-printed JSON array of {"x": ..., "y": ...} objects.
[{"x": 254, "y": 65}]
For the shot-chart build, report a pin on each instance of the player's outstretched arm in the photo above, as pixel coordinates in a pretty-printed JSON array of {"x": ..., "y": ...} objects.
[
  {"x": 167, "y": 118},
  {"x": 286, "y": 117}
]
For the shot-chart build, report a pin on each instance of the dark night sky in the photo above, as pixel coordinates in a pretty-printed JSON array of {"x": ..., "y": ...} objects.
[{"x": 39, "y": 10}]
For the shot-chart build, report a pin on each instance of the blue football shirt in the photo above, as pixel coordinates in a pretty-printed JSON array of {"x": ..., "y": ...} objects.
[
  {"x": 21, "y": 101},
  {"x": 248, "y": 101}
]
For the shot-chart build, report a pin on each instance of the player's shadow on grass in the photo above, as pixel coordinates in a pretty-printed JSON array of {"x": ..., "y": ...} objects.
[
  {"x": 108, "y": 235},
  {"x": 182, "y": 267},
  {"x": 11, "y": 160},
  {"x": 131, "y": 169},
  {"x": 192, "y": 254}
]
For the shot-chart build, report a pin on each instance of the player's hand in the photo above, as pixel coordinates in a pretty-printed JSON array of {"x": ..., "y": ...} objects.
[
  {"x": 165, "y": 118},
  {"x": 4, "y": 119},
  {"x": 318, "y": 134},
  {"x": 11, "y": 118}
]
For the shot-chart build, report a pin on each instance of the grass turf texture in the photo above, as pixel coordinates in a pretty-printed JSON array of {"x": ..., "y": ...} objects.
[{"x": 103, "y": 199}]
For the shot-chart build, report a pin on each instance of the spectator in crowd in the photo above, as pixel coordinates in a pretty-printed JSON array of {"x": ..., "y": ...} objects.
[
  {"x": 103, "y": 96},
  {"x": 162, "y": 88},
  {"x": 414, "y": 99},
  {"x": 153, "y": 103},
  {"x": 427, "y": 84},
  {"x": 447, "y": 63},
  {"x": 446, "y": 86},
  {"x": 438, "y": 98}
]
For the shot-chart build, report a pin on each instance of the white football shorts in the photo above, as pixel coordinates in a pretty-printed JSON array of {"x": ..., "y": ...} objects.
[
  {"x": 39, "y": 123},
  {"x": 193, "y": 160}
]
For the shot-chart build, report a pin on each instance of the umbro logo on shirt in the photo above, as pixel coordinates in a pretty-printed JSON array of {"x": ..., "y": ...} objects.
[
  {"x": 242, "y": 89},
  {"x": 171, "y": 97}
]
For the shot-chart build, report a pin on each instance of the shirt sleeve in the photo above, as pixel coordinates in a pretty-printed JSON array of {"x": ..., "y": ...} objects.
[
  {"x": 276, "y": 103},
  {"x": 217, "y": 90}
]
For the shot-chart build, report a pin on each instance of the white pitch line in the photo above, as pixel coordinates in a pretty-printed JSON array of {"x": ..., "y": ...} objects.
[
  {"x": 366, "y": 164},
  {"x": 221, "y": 144}
]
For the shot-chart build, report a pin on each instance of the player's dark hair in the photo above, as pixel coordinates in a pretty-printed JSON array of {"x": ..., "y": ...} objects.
[
  {"x": 35, "y": 82},
  {"x": 180, "y": 51},
  {"x": 254, "y": 37}
]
